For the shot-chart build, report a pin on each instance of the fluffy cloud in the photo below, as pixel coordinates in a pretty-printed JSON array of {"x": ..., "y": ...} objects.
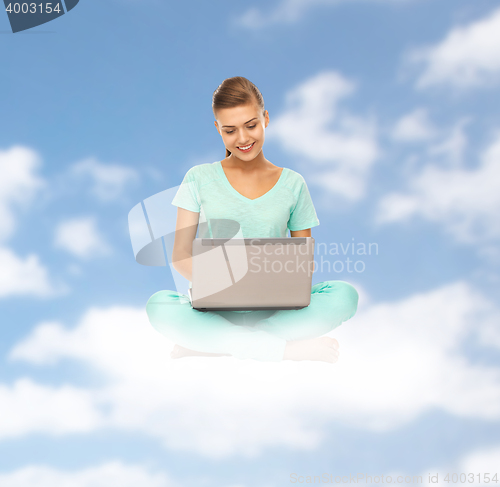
[
  {"x": 414, "y": 127},
  {"x": 57, "y": 411},
  {"x": 106, "y": 475},
  {"x": 405, "y": 358},
  {"x": 482, "y": 461},
  {"x": 313, "y": 125},
  {"x": 288, "y": 12},
  {"x": 451, "y": 149},
  {"x": 80, "y": 237},
  {"x": 24, "y": 276},
  {"x": 465, "y": 201},
  {"x": 109, "y": 179},
  {"x": 467, "y": 57},
  {"x": 473, "y": 465},
  {"x": 18, "y": 185}
]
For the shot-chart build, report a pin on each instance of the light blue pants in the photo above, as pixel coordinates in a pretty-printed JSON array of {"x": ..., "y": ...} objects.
[{"x": 259, "y": 335}]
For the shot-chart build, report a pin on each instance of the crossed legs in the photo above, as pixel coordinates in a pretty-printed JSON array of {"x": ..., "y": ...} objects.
[{"x": 260, "y": 335}]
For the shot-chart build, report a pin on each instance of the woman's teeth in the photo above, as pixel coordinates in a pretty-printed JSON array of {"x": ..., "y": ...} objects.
[{"x": 246, "y": 147}]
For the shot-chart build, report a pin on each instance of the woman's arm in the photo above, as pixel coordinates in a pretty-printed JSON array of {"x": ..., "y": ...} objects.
[
  {"x": 301, "y": 233},
  {"x": 185, "y": 232}
]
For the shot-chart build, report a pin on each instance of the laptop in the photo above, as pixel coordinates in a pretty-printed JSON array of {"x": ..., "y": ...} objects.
[{"x": 242, "y": 274}]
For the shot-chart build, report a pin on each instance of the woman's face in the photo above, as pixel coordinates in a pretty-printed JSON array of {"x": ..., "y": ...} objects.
[{"x": 241, "y": 127}]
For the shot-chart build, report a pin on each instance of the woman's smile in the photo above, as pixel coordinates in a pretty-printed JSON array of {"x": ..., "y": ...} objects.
[{"x": 246, "y": 148}]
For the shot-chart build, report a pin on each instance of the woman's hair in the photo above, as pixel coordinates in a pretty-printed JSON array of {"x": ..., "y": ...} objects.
[{"x": 234, "y": 92}]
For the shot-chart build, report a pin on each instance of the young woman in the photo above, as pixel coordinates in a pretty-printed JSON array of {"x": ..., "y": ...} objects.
[{"x": 266, "y": 201}]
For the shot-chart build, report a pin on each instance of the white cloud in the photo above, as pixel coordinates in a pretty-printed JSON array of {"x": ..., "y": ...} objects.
[
  {"x": 315, "y": 127},
  {"x": 109, "y": 179},
  {"x": 18, "y": 185},
  {"x": 469, "y": 56},
  {"x": 27, "y": 407},
  {"x": 465, "y": 201},
  {"x": 489, "y": 334},
  {"x": 482, "y": 461},
  {"x": 405, "y": 358},
  {"x": 452, "y": 148},
  {"x": 24, "y": 276},
  {"x": 109, "y": 474},
  {"x": 469, "y": 469},
  {"x": 289, "y": 12},
  {"x": 80, "y": 237},
  {"x": 414, "y": 127}
]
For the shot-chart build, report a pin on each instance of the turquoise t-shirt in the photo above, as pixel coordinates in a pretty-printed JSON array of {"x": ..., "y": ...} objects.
[{"x": 205, "y": 189}]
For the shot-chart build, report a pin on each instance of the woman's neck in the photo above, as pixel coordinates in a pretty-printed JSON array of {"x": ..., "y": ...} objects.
[{"x": 259, "y": 162}]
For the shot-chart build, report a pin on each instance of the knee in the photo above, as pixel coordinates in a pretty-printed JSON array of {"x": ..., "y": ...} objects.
[
  {"x": 161, "y": 306},
  {"x": 351, "y": 298},
  {"x": 341, "y": 287},
  {"x": 350, "y": 292},
  {"x": 154, "y": 302},
  {"x": 153, "y": 308},
  {"x": 346, "y": 295}
]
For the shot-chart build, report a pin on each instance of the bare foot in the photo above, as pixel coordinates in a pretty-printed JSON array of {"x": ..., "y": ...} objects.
[
  {"x": 324, "y": 349},
  {"x": 180, "y": 352}
]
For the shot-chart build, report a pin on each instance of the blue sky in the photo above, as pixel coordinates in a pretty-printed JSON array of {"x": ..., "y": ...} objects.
[{"x": 390, "y": 111}]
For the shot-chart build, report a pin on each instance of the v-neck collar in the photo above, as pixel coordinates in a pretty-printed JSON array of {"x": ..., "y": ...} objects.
[{"x": 238, "y": 194}]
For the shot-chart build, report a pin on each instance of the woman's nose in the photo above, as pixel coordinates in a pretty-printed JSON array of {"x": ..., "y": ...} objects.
[{"x": 242, "y": 137}]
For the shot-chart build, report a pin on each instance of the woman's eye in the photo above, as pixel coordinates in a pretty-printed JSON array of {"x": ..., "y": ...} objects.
[{"x": 248, "y": 127}]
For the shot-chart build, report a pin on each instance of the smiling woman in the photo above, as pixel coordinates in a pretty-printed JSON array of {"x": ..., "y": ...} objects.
[
  {"x": 240, "y": 94},
  {"x": 264, "y": 200}
]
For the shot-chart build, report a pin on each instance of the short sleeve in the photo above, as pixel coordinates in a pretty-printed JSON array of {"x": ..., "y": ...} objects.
[
  {"x": 303, "y": 215},
  {"x": 187, "y": 195}
]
